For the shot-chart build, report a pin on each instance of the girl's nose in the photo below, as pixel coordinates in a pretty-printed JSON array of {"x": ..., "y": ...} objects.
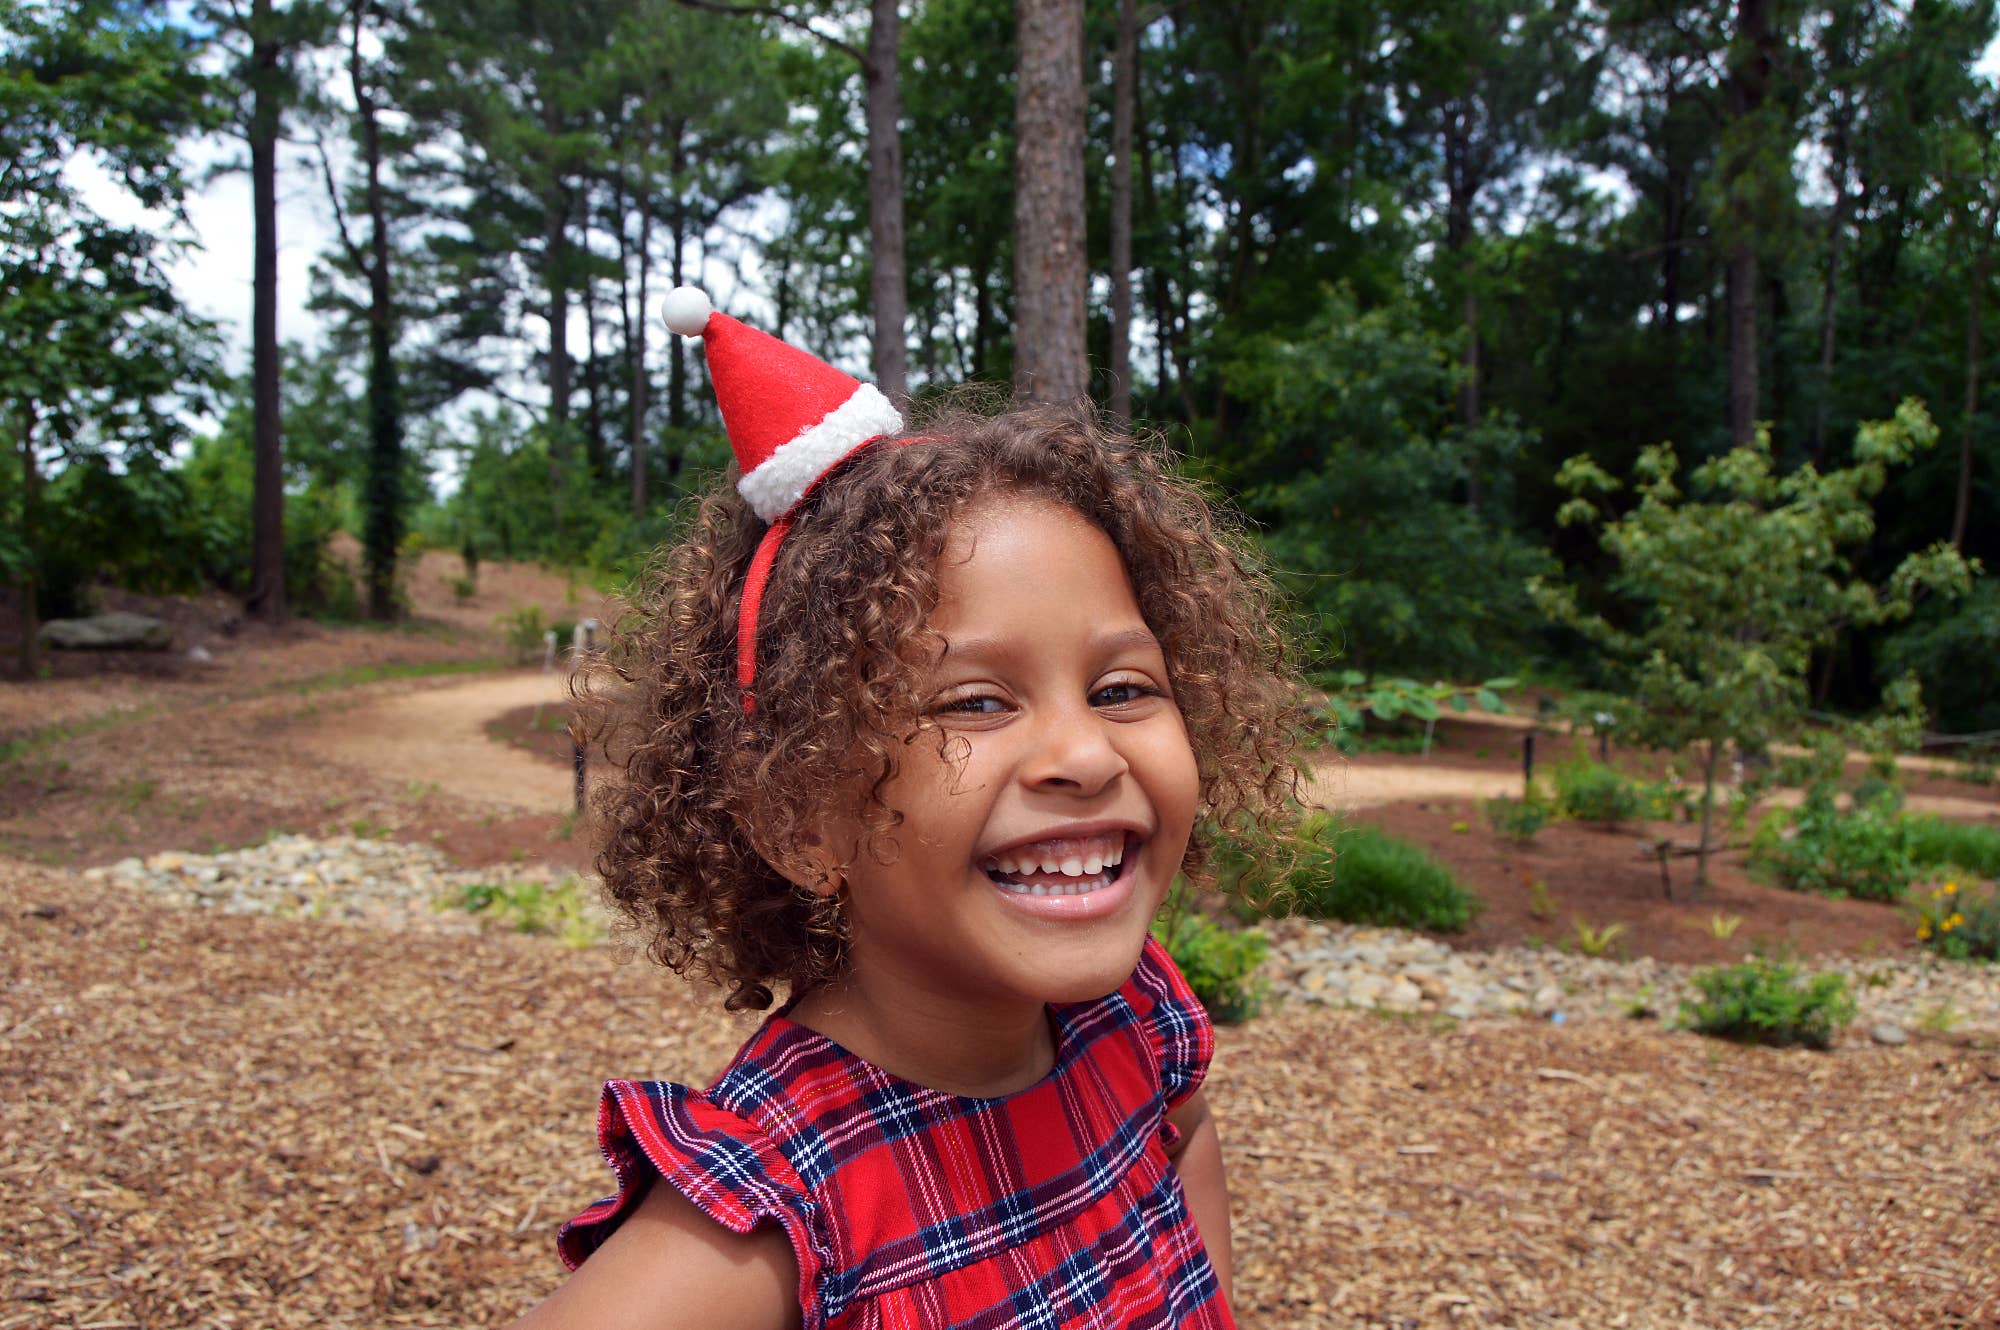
[{"x": 1074, "y": 752}]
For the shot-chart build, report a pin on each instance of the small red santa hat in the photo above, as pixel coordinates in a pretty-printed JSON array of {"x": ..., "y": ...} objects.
[{"x": 791, "y": 418}]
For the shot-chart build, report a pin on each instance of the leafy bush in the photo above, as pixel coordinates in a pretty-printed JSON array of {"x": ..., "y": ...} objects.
[
  {"x": 1355, "y": 874},
  {"x": 1862, "y": 852},
  {"x": 1219, "y": 964},
  {"x": 1763, "y": 1001},
  {"x": 1936, "y": 842},
  {"x": 1590, "y": 791},
  {"x": 561, "y": 911},
  {"x": 1954, "y": 650},
  {"x": 1519, "y": 820},
  {"x": 1960, "y": 925}
]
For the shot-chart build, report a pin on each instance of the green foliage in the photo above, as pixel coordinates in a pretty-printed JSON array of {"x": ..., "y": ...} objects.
[
  {"x": 1353, "y": 697},
  {"x": 1220, "y": 964},
  {"x": 1935, "y": 842},
  {"x": 1728, "y": 594},
  {"x": 1953, "y": 648},
  {"x": 1591, "y": 791},
  {"x": 1593, "y": 941},
  {"x": 1961, "y": 925},
  {"x": 525, "y": 631},
  {"x": 1519, "y": 820},
  {"x": 561, "y": 911},
  {"x": 1356, "y": 874},
  {"x": 1862, "y": 851},
  {"x": 1350, "y": 460},
  {"x": 1763, "y": 1001}
]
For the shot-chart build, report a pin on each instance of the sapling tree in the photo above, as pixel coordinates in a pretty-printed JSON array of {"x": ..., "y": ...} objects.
[{"x": 1728, "y": 589}]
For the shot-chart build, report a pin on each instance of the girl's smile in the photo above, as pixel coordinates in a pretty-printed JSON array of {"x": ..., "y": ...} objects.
[{"x": 1046, "y": 798}]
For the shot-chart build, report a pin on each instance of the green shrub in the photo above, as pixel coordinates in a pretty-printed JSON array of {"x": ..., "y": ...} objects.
[
  {"x": 1960, "y": 925},
  {"x": 561, "y": 911},
  {"x": 1219, "y": 964},
  {"x": 1356, "y": 874},
  {"x": 524, "y": 628},
  {"x": 1764, "y": 1001},
  {"x": 1863, "y": 851},
  {"x": 1590, "y": 791},
  {"x": 1519, "y": 820},
  {"x": 1936, "y": 842}
]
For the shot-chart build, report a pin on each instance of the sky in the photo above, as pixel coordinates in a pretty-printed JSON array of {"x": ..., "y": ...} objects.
[{"x": 214, "y": 277}]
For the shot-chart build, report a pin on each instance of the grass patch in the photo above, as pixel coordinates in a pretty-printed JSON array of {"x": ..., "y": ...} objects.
[
  {"x": 354, "y": 676},
  {"x": 1356, "y": 874},
  {"x": 1937, "y": 842},
  {"x": 34, "y": 741}
]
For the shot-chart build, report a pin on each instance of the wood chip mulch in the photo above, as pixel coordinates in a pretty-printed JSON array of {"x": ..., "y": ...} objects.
[{"x": 212, "y": 1120}]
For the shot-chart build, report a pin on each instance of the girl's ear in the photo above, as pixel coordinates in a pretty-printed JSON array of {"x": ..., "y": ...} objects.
[{"x": 808, "y": 862}]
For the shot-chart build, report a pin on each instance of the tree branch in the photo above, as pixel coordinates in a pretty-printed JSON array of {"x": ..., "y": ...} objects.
[
  {"x": 789, "y": 20},
  {"x": 354, "y": 253}
]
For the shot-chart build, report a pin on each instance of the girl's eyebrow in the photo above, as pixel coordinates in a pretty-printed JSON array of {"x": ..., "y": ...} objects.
[{"x": 991, "y": 648}]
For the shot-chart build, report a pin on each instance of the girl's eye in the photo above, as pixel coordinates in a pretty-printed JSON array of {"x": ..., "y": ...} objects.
[
  {"x": 978, "y": 704},
  {"x": 1118, "y": 694}
]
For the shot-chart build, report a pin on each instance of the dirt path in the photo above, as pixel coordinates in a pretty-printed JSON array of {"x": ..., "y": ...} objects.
[{"x": 438, "y": 737}]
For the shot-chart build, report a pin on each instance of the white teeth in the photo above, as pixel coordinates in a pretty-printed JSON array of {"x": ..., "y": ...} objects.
[
  {"x": 1093, "y": 862},
  {"x": 1082, "y": 887},
  {"x": 1073, "y": 866},
  {"x": 1051, "y": 865}
]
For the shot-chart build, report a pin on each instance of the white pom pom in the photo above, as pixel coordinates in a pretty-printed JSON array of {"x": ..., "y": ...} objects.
[{"x": 686, "y": 310}]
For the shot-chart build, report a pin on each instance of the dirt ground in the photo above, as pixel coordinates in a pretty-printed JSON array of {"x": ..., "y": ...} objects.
[{"x": 212, "y": 1120}]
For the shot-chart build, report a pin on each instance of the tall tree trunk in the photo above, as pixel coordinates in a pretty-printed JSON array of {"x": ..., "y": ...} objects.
[
  {"x": 1829, "y": 304},
  {"x": 888, "y": 283},
  {"x": 266, "y": 599},
  {"x": 1752, "y": 58},
  {"x": 676, "y": 346},
  {"x": 641, "y": 383},
  {"x": 31, "y": 619},
  {"x": 593, "y": 385},
  {"x": 1982, "y": 267},
  {"x": 1051, "y": 353},
  {"x": 382, "y": 524},
  {"x": 555, "y": 276},
  {"x": 1124, "y": 71}
]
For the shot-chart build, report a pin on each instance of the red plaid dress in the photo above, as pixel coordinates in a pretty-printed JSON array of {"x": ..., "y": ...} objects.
[{"x": 1054, "y": 1208}]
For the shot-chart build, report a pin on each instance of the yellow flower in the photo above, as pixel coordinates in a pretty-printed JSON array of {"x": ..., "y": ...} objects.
[
  {"x": 1955, "y": 920},
  {"x": 1950, "y": 887},
  {"x": 1923, "y": 930}
]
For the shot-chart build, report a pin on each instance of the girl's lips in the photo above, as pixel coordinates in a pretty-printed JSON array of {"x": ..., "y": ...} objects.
[{"x": 1080, "y": 898}]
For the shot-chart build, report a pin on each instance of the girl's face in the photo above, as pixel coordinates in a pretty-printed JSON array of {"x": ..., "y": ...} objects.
[{"x": 1034, "y": 853}]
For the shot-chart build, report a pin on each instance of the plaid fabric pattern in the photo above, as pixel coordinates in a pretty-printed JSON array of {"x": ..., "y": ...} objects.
[{"x": 1055, "y": 1208}]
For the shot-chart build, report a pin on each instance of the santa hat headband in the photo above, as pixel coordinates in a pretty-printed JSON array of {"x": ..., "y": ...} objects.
[{"x": 791, "y": 418}]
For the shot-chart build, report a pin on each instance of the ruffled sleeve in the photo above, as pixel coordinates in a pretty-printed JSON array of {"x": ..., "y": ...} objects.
[
  {"x": 725, "y": 1165},
  {"x": 1177, "y": 1026}
]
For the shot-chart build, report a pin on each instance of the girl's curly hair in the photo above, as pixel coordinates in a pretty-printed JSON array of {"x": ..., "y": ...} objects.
[{"x": 714, "y": 797}]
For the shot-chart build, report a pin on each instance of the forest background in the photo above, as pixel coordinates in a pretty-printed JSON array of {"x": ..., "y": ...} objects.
[{"x": 1375, "y": 269}]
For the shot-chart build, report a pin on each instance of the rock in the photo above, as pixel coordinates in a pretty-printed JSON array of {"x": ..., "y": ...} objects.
[
  {"x": 1547, "y": 998},
  {"x": 1366, "y": 989},
  {"x": 1402, "y": 996},
  {"x": 118, "y": 631},
  {"x": 1890, "y": 1033}
]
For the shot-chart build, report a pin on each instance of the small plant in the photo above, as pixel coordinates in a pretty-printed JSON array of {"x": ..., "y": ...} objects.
[
  {"x": 1639, "y": 1007},
  {"x": 1219, "y": 964},
  {"x": 1960, "y": 925},
  {"x": 1593, "y": 941},
  {"x": 463, "y": 589},
  {"x": 367, "y": 828},
  {"x": 1590, "y": 791},
  {"x": 524, "y": 628},
  {"x": 1863, "y": 851},
  {"x": 565, "y": 827},
  {"x": 1766, "y": 1001},
  {"x": 1519, "y": 820},
  {"x": 1540, "y": 903},
  {"x": 1722, "y": 927},
  {"x": 1941, "y": 1018},
  {"x": 560, "y": 911}
]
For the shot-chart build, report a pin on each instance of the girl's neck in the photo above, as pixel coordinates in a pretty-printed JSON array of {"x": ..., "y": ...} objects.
[{"x": 934, "y": 1037}]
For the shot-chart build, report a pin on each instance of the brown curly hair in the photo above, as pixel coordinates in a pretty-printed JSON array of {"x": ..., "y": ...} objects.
[{"x": 714, "y": 797}]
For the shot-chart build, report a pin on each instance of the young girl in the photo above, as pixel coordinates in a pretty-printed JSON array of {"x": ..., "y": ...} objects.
[{"x": 923, "y": 728}]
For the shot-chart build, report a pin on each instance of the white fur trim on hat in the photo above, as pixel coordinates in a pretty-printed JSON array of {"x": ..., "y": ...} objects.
[
  {"x": 686, "y": 310},
  {"x": 789, "y": 472}
]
